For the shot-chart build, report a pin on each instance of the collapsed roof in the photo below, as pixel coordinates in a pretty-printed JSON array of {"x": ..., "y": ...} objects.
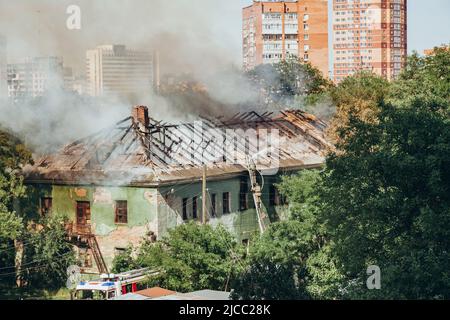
[{"x": 140, "y": 150}]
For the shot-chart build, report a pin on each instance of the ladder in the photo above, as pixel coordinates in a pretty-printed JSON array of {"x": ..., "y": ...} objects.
[
  {"x": 263, "y": 218},
  {"x": 99, "y": 261}
]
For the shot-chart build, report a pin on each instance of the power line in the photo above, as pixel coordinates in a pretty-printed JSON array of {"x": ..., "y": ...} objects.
[{"x": 38, "y": 260}]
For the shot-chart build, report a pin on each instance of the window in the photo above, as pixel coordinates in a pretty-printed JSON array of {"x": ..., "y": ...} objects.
[
  {"x": 83, "y": 213},
  {"x": 291, "y": 16},
  {"x": 119, "y": 251},
  {"x": 194, "y": 207},
  {"x": 185, "y": 214},
  {"x": 273, "y": 196},
  {"x": 275, "y": 199},
  {"x": 226, "y": 202},
  {"x": 46, "y": 206},
  {"x": 243, "y": 195},
  {"x": 213, "y": 205},
  {"x": 121, "y": 212}
]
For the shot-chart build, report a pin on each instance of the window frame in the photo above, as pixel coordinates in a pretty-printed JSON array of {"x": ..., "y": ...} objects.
[
  {"x": 226, "y": 199},
  {"x": 195, "y": 207},
  {"x": 184, "y": 203},
  {"x": 213, "y": 205},
  {"x": 48, "y": 208},
  {"x": 243, "y": 194},
  {"x": 118, "y": 215}
]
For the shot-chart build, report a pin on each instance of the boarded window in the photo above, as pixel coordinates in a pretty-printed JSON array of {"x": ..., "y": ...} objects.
[
  {"x": 46, "y": 206},
  {"x": 194, "y": 207},
  {"x": 226, "y": 202},
  {"x": 121, "y": 212},
  {"x": 185, "y": 213},
  {"x": 213, "y": 205}
]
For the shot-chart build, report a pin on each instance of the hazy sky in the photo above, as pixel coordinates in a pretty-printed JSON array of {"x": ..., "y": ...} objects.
[{"x": 195, "y": 32}]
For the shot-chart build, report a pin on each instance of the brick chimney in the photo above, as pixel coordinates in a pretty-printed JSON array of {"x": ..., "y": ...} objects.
[{"x": 140, "y": 117}]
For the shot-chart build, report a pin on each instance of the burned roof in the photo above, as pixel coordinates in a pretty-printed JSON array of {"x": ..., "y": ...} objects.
[{"x": 140, "y": 150}]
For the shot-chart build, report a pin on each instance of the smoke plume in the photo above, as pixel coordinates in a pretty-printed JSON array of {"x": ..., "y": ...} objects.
[{"x": 200, "y": 39}]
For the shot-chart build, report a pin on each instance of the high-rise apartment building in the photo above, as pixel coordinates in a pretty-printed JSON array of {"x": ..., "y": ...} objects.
[
  {"x": 114, "y": 69},
  {"x": 35, "y": 76},
  {"x": 273, "y": 30},
  {"x": 3, "y": 68},
  {"x": 369, "y": 35}
]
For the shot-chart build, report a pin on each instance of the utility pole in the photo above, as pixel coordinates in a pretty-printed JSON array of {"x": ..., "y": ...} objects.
[{"x": 204, "y": 195}]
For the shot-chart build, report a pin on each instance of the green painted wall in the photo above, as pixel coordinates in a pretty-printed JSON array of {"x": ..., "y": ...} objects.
[
  {"x": 142, "y": 206},
  {"x": 30, "y": 205},
  {"x": 142, "y": 211},
  {"x": 151, "y": 209},
  {"x": 243, "y": 224}
]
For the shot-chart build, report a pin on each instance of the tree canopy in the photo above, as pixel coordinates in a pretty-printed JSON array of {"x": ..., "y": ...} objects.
[
  {"x": 289, "y": 78},
  {"x": 191, "y": 257},
  {"x": 13, "y": 155},
  {"x": 46, "y": 254},
  {"x": 381, "y": 199}
]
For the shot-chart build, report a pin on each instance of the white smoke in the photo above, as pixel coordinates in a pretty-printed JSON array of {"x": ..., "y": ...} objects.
[{"x": 195, "y": 38}]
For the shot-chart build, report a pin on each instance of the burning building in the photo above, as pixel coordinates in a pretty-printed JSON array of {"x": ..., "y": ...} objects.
[{"x": 141, "y": 177}]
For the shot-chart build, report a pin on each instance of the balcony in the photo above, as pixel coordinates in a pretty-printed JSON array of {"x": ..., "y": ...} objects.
[{"x": 78, "y": 229}]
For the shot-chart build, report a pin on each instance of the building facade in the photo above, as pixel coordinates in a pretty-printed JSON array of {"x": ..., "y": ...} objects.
[
  {"x": 274, "y": 30},
  {"x": 114, "y": 69},
  {"x": 3, "y": 68},
  {"x": 140, "y": 179},
  {"x": 35, "y": 76},
  {"x": 369, "y": 35}
]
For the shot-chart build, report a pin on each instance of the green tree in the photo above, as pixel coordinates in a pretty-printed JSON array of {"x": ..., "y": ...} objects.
[
  {"x": 275, "y": 266},
  {"x": 13, "y": 155},
  {"x": 288, "y": 79},
  {"x": 124, "y": 261},
  {"x": 47, "y": 255},
  {"x": 425, "y": 78},
  {"x": 303, "y": 193},
  {"x": 386, "y": 202},
  {"x": 357, "y": 96},
  {"x": 288, "y": 260},
  {"x": 191, "y": 257},
  {"x": 384, "y": 199}
]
